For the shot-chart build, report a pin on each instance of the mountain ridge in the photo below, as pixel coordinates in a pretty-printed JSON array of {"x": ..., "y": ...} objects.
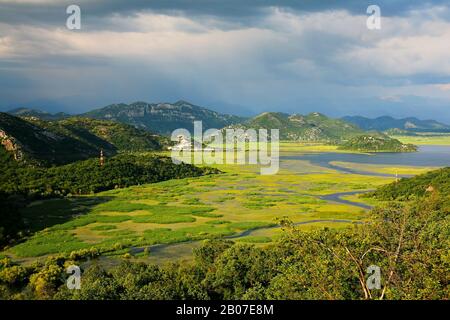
[
  {"x": 384, "y": 123},
  {"x": 163, "y": 117}
]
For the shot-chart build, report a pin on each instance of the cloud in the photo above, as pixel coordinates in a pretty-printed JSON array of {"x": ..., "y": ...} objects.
[
  {"x": 271, "y": 56},
  {"x": 443, "y": 86},
  {"x": 391, "y": 98},
  {"x": 241, "y": 11},
  {"x": 405, "y": 55}
]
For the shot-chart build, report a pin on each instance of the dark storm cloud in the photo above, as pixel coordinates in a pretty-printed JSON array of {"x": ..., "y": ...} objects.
[
  {"x": 245, "y": 12},
  {"x": 252, "y": 7},
  {"x": 228, "y": 55}
]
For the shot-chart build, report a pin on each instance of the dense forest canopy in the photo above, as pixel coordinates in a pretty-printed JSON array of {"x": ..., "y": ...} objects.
[
  {"x": 433, "y": 181},
  {"x": 85, "y": 177},
  {"x": 45, "y": 143}
]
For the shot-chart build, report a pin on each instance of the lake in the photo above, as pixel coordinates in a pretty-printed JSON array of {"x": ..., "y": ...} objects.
[{"x": 427, "y": 156}]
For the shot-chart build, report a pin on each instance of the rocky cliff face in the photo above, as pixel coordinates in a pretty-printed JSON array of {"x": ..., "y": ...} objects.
[{"x": 11, "y": 145}]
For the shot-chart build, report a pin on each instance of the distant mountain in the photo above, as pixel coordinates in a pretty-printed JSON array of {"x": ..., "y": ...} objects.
[
  {"x": 33, "y": 140},
  {"x": 163, "y": 118},
  {"x": 26, "y": 112},
  {"x": 385, "y": 123},
  {"x": 296, "y": 127}
]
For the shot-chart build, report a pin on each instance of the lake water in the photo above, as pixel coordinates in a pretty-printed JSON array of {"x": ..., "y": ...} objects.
[{"x": 427, "y": 156}]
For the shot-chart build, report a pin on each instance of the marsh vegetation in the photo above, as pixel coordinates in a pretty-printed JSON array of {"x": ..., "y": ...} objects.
[{"x": 243, "y": 216}]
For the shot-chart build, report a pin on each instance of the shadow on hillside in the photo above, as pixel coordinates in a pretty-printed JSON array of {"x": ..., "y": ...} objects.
[{"x": 46, "y": 213}]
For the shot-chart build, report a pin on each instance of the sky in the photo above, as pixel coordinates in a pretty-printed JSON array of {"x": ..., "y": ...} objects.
[{"x": 232, "y": 56}]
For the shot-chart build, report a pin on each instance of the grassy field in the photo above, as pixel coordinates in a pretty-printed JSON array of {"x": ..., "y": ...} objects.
[
  {"x": 437, "y": 139},
  {"x": 401, "y": 170},
  {"x": 172, "y": 217}
]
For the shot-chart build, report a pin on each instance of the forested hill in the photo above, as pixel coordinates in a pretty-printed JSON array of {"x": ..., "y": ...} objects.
[
  {"x": 316, "y": 127},
  {"x": 296, "y": 127},
  {"x": 377, "y": 143},
  {"x": 33, "y": 140},
  {"x": 122, "y": 136},
  {"x": 88, "y": 176},
  {"x": 407, "y": 188},
  {"x": 36, "y": 113}
]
